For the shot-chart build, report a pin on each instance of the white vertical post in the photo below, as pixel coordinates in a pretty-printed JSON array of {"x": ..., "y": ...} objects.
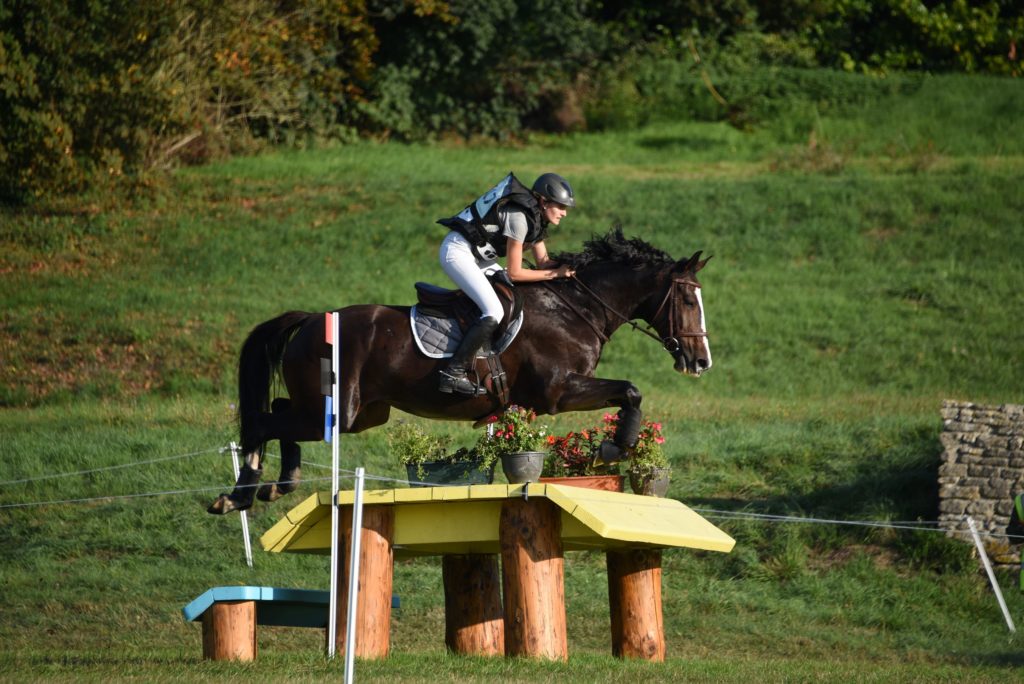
[
  {"x": 332, "y": 623},
  {"x": 991, "y": 574},
  {"x": 234, "y": 448},
  {"x": 353, "y": 577}
]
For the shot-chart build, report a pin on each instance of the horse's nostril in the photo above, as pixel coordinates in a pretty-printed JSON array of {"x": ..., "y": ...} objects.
[{"x": 702, "y": 363}]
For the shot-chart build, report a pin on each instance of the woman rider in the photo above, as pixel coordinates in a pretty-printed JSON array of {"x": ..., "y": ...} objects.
[{"x": 502, "y": 222}]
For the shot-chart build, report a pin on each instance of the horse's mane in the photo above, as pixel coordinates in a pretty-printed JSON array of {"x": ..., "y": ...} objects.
[{"x": 616, "y": 248}]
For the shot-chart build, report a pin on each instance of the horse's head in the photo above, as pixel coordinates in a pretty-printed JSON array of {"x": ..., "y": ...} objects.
[{"x": 680, "y": 317}]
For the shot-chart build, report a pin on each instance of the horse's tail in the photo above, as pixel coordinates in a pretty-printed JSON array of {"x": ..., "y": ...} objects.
[{"x": 259, "y": 361}]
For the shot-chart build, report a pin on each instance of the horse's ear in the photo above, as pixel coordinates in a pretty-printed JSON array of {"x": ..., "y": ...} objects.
[
  {"x": 701, "y": 264},
  {"x": 689, "y": 265}
]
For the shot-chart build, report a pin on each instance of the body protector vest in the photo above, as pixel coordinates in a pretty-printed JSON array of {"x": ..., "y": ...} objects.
[{"x": 483, "y": 211}]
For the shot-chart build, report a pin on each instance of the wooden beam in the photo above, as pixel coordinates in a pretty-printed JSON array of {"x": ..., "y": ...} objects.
[
  {"x": 634, "y": 600},
  {"x": 229, "y": 631},
  {"x": 474, "y": 621},
  {"x": 533, "y": 579},
  {"x": 376, "y": 578}
]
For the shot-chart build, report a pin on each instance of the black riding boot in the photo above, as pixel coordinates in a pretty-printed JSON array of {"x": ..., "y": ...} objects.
[{"x": 454, "y": 377}]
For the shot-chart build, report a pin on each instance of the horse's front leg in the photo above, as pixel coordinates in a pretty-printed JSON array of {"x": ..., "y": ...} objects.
[{"x": 584, "y": 393}]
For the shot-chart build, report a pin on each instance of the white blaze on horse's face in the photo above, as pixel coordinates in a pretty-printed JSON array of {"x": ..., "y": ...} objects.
[
  {"x": 694, "y": 356},
  {"x": 703, "y": 329}
]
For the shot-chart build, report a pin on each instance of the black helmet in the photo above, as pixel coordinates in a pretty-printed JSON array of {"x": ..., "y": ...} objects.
[{"x": 553, "y": 187}]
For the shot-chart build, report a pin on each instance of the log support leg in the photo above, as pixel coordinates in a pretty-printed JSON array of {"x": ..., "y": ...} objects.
[
  {"x": 533, "y": 579},
  {"x": 229, "y": 631},
  {"x": 376, "y": 576},
  {"x": 634, "y": 598},
  {"x": 474, "y": 624}
]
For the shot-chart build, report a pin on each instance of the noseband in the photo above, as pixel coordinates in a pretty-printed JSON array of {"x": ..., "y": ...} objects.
[{"x": 671, "y": 343}]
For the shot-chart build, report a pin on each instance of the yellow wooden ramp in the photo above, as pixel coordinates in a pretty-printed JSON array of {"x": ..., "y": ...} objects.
[{"x": 464, "y": 519}]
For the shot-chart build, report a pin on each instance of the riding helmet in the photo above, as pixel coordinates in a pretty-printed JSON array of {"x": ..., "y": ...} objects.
[{"x": 554, "y": 188}]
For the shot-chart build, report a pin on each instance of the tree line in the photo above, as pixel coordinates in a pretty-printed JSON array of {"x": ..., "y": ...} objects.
[{"x": 96, "y": 92}]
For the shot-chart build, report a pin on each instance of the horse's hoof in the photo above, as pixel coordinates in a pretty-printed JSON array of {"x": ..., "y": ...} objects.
[
  {"x": 609, "y": 453},
  {"x": 269, "y": 492},
  {"x": 225, "y": 504}
]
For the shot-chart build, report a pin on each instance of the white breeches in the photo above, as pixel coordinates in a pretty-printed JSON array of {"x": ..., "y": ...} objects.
[{"x": 469, "y": 274}]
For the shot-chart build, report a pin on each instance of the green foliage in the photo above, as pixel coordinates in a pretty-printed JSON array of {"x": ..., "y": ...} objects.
[
  {"x": 649, "y": 454},
  {"x": 96, "y": 91},
  {"x": 479, "y": 68},
  {"x": 514, "y": 432},
  {"x": 97, "y": 94},
  {"x": 414, "y": 445}
]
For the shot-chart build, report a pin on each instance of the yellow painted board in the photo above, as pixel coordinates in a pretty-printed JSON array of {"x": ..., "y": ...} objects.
[
  {"x": 465, "y": 522},
  {"x": 433, "y": 518},
  {"x": 370, "y": 497},
  {"x": 643, "y": 519},
  {"x": 315, "y": 539},
  {"x": 280, "y": 537},
  {"x": 305, "y": 508},
  {"x": 493, "y": 491}
]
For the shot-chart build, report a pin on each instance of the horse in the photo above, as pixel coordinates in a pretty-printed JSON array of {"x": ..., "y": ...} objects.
[{"x": 549, "y": 365}]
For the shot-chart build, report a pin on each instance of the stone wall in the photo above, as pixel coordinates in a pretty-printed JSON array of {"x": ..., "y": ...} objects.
[{"x": 982, "y": 470}]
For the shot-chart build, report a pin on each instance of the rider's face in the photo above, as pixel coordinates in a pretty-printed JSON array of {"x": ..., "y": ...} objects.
[{"x": 553, "y": 211}]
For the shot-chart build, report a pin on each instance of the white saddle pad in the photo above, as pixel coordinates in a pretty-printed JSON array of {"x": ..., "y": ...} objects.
[{"x": 438, "y": 336}]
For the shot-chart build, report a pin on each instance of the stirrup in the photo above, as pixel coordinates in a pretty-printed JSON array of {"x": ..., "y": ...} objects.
[{"x": 459, "y": 383}]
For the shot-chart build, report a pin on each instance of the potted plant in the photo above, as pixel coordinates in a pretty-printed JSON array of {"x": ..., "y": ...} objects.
[
  {"x": 572, "y": 460},
  {"x": 518, "y": 442},
  {"x": 428, "y": 461},
  {"x": 649, "y": 470}
]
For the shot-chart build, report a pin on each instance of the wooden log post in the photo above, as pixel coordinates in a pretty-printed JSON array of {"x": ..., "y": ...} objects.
[
  {"x": 229, "y": 631},
  {"x": 634, "y": 598},
  {"x": 533, "y": 579},
  {"x": 474, "y": 623},
  {"x": 376, "y": 577}
]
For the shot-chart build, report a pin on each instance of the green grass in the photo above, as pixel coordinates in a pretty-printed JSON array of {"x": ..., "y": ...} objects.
[{"x": 856, "y": 283}]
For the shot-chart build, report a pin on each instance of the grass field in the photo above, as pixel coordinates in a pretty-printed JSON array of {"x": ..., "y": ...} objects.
[{"x": 858, "y": 280}]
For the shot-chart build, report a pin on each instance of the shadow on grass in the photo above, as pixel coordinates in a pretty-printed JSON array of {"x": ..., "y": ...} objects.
[
  {"x": 688, "y": 143},
  {"x": 900, "y": 485}
]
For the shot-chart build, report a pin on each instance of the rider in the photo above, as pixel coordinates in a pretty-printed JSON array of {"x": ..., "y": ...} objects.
[{"x": 502, "y": 222}]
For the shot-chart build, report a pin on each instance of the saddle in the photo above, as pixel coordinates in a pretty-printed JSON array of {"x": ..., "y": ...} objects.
[
  {"x": 441, "y": 317},
  {"x": 440, "y": 302}
]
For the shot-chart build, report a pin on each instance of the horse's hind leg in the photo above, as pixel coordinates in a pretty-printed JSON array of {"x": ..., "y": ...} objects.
[
  {"x": 291, "y": 462},
  {"x": 242, "y": 496}
]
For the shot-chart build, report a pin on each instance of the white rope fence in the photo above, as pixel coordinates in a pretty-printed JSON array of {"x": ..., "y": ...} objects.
[
  {"x": 711, "y": 513},
  {"x": 359, "y": 475}
]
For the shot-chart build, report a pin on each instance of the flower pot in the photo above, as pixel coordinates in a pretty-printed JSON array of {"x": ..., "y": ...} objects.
[
  {"x": 444, "y": 473},
  {"x": 522, "y": 466},
  {"x": 608, "y": 483},
  {"x": 653, "y": 484}
]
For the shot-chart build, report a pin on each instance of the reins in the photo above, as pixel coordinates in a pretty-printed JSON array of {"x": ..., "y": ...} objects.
[{"x": 671, "y": 343}]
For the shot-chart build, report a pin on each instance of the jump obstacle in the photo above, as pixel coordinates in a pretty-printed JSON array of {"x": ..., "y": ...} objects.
[
  {"x": 529, "y": 526},
  {"x": 519, "y": 609}
]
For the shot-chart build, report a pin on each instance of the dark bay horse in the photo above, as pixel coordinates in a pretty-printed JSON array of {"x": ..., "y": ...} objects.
[{"x": 549, "y": 365}]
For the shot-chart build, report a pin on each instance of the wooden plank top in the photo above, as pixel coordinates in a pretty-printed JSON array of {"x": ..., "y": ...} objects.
[
  {"x": 464, "y": 519},
  {"x": 274, "y": 606}
]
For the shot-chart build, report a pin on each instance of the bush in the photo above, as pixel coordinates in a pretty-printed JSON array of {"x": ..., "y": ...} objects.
[
  {"x": 102, "y": 89},
  {"x": 479, "y": 67}
]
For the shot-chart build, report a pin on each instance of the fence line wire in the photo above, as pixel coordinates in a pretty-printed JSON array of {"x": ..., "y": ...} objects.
[
  {"x": 915, "y": 525},
  {"x": 133, "y": 464}
]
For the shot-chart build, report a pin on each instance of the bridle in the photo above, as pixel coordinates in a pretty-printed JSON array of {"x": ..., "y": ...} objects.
[{"x": 670, "y": 343}]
